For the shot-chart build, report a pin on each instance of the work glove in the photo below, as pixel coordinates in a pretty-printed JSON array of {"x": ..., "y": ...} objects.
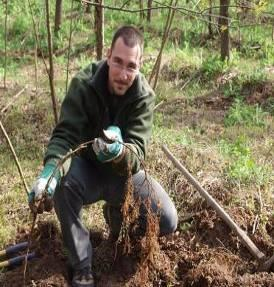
[
  {"x": 108, "y": 147},
  {"x": 39, "y": 198}
]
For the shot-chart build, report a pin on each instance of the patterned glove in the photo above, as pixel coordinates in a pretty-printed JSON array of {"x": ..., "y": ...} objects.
[
  {"x": 111, "y": 147},
  {"x": 38, "y": 189}
]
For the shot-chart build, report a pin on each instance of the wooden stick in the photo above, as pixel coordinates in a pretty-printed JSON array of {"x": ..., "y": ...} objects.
[
  {"x": 265, "y": 266},
  {"x": 15, "y": 157},
  {"x": 12, "y": 100},
  {"x": 220, "y": 211}
]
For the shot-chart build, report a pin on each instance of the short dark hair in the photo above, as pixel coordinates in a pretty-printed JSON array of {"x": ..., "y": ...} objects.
[{"x": 130, "y": 35}]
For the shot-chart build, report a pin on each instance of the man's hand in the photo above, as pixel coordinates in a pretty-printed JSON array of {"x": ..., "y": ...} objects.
[
  {"x": 40, "y": 198},
  {"x": 110, "y": 146}
]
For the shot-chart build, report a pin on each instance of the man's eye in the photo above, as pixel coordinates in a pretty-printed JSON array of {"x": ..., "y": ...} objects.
[
  {"x": 117, "y": 61},
  {"x": 132, "y": 67}
]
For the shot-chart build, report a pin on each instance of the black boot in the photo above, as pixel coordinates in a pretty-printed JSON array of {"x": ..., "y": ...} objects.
[{"x": 83, "y": 278}]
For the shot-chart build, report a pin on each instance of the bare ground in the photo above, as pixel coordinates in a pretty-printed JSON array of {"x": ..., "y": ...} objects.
[{"x": 207, "y": 254}]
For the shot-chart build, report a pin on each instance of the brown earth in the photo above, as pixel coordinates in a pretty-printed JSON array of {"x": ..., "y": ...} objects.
[{"x": 203, "y": 252}]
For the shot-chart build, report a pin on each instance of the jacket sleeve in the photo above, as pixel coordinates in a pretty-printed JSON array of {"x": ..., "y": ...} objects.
[
  {"x": 73, "y": 120},
  {"x": 136, "y": 135}
]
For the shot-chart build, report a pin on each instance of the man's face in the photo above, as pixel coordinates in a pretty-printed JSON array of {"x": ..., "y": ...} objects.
[{"x": 124, "y": 64}]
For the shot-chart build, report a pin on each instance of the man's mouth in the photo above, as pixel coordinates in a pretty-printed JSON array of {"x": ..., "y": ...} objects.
[{"x": 121, "y": 83}]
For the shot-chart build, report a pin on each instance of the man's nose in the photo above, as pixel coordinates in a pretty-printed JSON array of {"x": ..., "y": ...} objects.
[{"x": 123, "y": 74}]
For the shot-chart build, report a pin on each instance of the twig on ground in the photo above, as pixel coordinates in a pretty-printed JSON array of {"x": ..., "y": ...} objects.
[
  {"x": 159, "y": 104},
  {"x": 255, "y": 224}
]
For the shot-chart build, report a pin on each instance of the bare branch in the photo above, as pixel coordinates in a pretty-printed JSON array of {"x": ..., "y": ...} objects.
[
  {"x": 12, "y": 100},
  {"x": 124, "y": 4},
  {"x": 120, "y": 9},
  {"x": 15, "y": 157},
  {"x": 237, "y": 6},
  {"x": 69, "y": 47},
  {"x": 37, "y": 37},
  {"x": 156, "y": 68},
  {"x": 161, "y": 6},
  {"x": 51, "y": 68}
]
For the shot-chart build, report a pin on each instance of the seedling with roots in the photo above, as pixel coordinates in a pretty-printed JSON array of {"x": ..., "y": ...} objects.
[{"x": 130, "y": 210}]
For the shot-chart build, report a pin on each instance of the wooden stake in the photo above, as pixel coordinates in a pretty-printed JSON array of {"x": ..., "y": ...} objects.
[{"x": 215, "y": 205}]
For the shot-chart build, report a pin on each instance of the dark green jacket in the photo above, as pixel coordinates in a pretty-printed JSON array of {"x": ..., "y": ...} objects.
[{"x": 86, "y": 111}]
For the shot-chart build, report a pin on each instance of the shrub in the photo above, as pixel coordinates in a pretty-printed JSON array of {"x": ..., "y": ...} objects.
[
  {"x": 240, "y": 164},
  {"x": 212, "y": 66},
  {"x": 242, "y": 114}
]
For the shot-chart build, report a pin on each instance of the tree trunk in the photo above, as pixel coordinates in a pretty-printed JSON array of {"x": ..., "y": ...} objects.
[
  {"x": 69, "y": 47},
  {"x": 99, "y": 29},
  {"x": 239, "y": 32},
  {"x": 88, "y": 8},
  {"x": 51, "y": 69},
  {"x": 210, "y": 31},
  {"x": 6, "y": 41},
  {"x": 142, "y": 13},
  {"x": 157, "y": 65},
  {"x": 149, "y": 12},
  {"x": 224, "y": 29},
  {"x": 58, "y": 16}
]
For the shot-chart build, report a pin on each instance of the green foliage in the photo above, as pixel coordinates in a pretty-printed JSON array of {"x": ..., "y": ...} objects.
[
  {"x": 241, "y": 166},
  {"x": 19, "y": 26},
  {"x": 147, "y": 68},
  {"x": 212, "y": 66},
  {"x": 168, "y": 135},
  {"x": 242, "y": 114},
  {"x": 261, "y": 6}
]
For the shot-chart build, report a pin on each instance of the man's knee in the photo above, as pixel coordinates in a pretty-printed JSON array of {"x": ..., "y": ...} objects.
[
  {"x": 168, "y": 221},
  {"x": 168, "y": 212},
  {"x": 67, "y": 193}
]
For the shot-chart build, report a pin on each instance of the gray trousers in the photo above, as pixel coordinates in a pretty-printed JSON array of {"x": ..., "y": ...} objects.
[{"x": 86, "y": 184}]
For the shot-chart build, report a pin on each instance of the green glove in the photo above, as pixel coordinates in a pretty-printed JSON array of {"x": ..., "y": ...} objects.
[
  {"x": 38, "y": 189},
  {"x": 111, "y": 148}
]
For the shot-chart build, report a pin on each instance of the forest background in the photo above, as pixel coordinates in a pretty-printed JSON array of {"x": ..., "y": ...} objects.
[{"x": 211, "y": 64}]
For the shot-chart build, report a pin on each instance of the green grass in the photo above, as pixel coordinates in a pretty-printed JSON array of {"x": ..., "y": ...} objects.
[
  {"x": 243, "y": 114},
  {"x": 171, "y": 136},
  {"x": 241, "y": 164}
]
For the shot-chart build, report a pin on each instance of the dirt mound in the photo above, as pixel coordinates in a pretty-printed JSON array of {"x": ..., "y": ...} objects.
[
  {"x": 48, "y": 268},
  {"x": 258, "y": 93},
  {"x": 203, "y": 252},
  {"x": 206, "y": 254}
]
